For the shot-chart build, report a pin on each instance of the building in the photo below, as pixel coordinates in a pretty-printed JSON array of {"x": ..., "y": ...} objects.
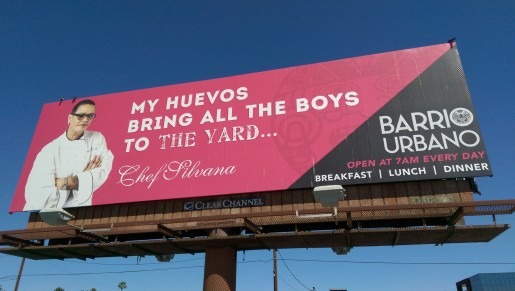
[{"x": 488, "y": 282}]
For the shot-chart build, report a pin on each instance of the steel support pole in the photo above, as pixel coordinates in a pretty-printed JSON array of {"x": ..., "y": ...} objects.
[{"x": 220, "y": 266}]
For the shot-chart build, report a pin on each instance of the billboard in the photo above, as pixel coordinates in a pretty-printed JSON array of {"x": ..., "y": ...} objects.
[{"x": 397, "y": 116}]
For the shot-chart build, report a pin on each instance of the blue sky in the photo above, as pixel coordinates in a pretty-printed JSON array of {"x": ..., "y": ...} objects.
[{"x": 53, "y": 49}]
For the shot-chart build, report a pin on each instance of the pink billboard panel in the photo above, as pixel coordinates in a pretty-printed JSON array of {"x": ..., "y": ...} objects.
[{"x": 396, "y": 116}]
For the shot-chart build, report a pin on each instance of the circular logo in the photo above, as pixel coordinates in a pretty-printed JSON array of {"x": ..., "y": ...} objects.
[
  {"x": 461, "y": 116},
  {"x": 188, "y": 206}
]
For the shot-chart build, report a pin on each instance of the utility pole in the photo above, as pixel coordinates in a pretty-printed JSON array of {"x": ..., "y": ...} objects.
[
  {"x": 275, "y": 270},
  {"x": 19, "y": 274}
]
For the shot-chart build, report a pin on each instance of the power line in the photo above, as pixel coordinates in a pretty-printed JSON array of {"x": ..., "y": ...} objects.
[
  {"x": 288, "y": 284},
  {"x": 288, "y": 268},
  {"x": 400, "y": 263},
  {"x": 101, "y": 273},
  {"x": 132, "y": 264},
  {"x": 13, "y": 277}
]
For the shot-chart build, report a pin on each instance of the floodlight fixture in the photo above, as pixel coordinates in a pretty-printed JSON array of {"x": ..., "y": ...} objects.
[
  {"x": 164, "y": 258},
  {"x": 61, "y": 217},
  {"x": 56, "y": 216},
  {"x": 329, "y": 195},
  {"x": 341, "y": 250}
]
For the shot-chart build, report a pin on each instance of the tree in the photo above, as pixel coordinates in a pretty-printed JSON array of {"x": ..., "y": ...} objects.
[
  {"x": 59, "y": 289},
  {"x": 122, "y": 285}
]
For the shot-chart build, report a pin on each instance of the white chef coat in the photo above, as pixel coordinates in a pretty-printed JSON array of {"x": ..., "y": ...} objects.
[{"x": 62, "y": 158}]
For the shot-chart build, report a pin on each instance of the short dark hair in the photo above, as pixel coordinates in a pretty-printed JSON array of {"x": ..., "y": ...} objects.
[{"x": 82, "y": 102}]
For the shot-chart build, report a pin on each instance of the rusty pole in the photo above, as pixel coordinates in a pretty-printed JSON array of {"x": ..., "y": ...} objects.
[{"x": 275, "y": 271}]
